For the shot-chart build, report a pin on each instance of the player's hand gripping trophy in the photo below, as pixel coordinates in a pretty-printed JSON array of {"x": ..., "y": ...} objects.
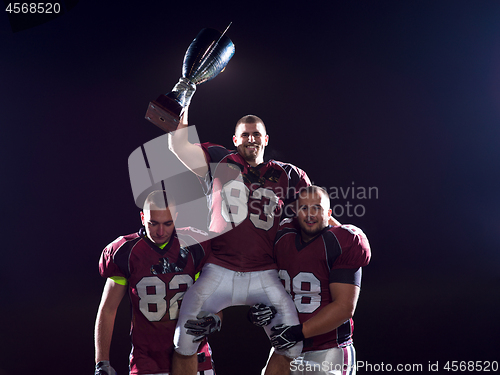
[{"x": 207, "y": 55}]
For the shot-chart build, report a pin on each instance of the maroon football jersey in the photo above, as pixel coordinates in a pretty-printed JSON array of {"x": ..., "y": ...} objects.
[
  {"x": 307, "y": 269},
  {"x": 246, "y": 205},
  {"x": 157, "y": 280}
]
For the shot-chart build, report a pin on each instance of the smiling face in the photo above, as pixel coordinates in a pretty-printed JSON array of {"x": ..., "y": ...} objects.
[
  {"x": 313, "y": 213},
  {"x": 159, "y": 224},
  {"x": 251, "y": 140}
]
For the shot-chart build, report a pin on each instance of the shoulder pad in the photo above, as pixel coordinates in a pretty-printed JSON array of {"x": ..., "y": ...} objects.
[
  {"x": 352, "y": 229},
  {"x": 288, "y": 220}
]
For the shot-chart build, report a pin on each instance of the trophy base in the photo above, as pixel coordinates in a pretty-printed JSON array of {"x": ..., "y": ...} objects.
[{"x": 164, "y": 112}]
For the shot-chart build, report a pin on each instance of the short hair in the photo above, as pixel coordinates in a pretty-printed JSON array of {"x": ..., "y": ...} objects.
[
  {"x": 158, "y": 198},
  {"x": 314, "y": 189},
  {"x": 249, "y": 119}
]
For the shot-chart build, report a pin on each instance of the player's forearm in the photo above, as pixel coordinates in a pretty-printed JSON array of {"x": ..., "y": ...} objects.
[
  {"x": 190, "y": 155},
  {"x": 103, "y": 333},
  {"x": 328, "y": 319},
  {"x": 178, "y": 140}
]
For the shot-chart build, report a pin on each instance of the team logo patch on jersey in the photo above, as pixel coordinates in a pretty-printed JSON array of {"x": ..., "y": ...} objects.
[
  {"x": 165, "y": 266},
  {"x": 253, "y": 176},
  {"x": 272, "y": 175},
  {"x": 233, "y": 165}
]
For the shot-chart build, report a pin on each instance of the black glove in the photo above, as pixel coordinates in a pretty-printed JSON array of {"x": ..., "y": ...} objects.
[
  {"x": 104, "y": 368},
  {"x": 261, "y": 315},
  {"x": 284, "y": 337},
  {"x": 205, "y": 325}
]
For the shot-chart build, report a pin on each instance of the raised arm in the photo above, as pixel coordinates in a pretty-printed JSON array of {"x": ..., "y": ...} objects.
[{"x": 191, "y": 155}]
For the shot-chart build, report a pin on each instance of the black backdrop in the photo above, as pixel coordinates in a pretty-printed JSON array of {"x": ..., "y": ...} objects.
[{"x": 400, "y": 97}]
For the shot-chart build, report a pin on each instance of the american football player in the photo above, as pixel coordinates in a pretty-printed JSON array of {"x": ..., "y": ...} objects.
[
  {"x": 320, "y": 266},
  {"x": 155, "y": 266},
  {"x": 247, "y": 197}
]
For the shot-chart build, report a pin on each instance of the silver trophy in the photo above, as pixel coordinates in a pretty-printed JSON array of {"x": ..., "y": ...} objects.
[{"x": 207, "y": 56}]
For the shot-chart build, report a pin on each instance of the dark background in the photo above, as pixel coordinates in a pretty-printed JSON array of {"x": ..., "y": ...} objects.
[{"x": 403, "y": 96}]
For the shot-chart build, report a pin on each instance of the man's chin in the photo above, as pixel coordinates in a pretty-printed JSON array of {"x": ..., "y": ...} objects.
[
  {"x": 311, "y": 232},
  {"x": 250, "y": 156},
  {"x": 159, "y": 241}
]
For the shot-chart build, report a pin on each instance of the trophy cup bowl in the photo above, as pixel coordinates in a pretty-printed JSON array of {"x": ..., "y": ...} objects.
[{"x": 206, "y": 56}]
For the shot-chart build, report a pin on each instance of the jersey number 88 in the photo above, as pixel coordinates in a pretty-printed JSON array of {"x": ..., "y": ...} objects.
[{"x": 307, "y": 289}]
